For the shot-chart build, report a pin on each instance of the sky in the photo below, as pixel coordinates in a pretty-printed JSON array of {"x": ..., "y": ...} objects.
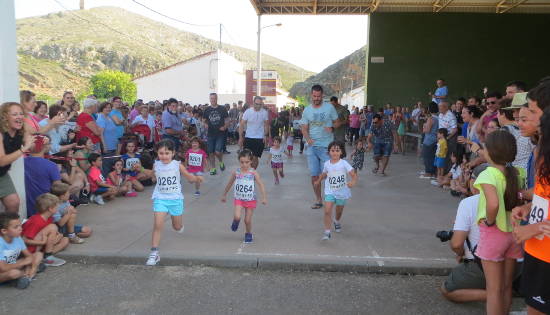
[{"x": 311, "y": 42}]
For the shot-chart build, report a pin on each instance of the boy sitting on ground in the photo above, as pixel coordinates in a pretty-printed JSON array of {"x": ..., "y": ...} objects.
[
  {"x": 98, "y": 185},
  {"x": 16, "y": 262},
  {"x": 40, "y": 234},
  {"x": 65, "y": 217}
]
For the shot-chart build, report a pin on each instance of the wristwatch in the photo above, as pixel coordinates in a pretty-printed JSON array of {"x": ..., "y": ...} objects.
[{"x": 487, "y": 223}]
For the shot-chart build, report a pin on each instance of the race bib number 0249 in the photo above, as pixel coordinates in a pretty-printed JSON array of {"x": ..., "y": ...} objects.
[
  {"x": 539, "y": 211},
  {"x": 244, "y": 189},
  {"x": 195, "y": 159},
  {"x": 168, "y": 183},
  {"x": 336, "y": 180}
]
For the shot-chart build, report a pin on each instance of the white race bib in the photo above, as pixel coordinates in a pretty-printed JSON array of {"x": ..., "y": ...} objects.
[
  {"x": 130, "y": 162},
  {"x": 539, "y": 211},
  {"x": 244, "y": 189},
  {"x": 336, "y": 180},
  {"x": 168, "y": 182},
  {"x": 195, "y": 159},
  {"x": 277, "y": 158}
]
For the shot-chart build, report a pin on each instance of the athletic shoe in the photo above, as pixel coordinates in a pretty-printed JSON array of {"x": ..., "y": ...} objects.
[
  {"x": 425, "y": 177},
  {"x": 421, "y": 173},
  {"x": 153, "y": 259},
  {"x": 181, "y": 230},
  {"x": 434, "y": 182},
  {"x": 235, "y": 225},
  {"x": 197, "y": 193},
  {"x": 92, "y": 198},
  {"x": 41, "y": 268},
  {"x": 247, "y": 238},
  {"x": 326, "y": 236},
  {"x": 276, "y": 182},
  {"x": 213, "y": 171},
  {"x": 99, "y": 200},
  {"x": 131, "y": 194},
  {"x": 337, "y": 227},
  {"x": 84, "y": 198},
  {"x": 53, "y": 261},
  {"x": 75, "y": 240},
  {"x": 23, "y": 282},
  {"x": 222, "y": 166}
]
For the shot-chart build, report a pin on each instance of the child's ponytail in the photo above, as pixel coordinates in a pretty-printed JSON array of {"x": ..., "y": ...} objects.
[{"x": 511, "y": 199}]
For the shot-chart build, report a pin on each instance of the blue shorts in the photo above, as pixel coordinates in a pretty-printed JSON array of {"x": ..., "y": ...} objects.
[
  {"x": 173, "y": 206},
  {"x": 316, "y": 158},
  {"x": 338, "y": 202},
  {"x": 215, "y": 143},
  {"x": 100, "y": 190},
  {"x": 439, "y": 162},
  {"x": 383, "y": 149},
  {"x": 64, "y": 230}
]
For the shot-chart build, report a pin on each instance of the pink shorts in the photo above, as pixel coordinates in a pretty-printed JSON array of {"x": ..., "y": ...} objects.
[
  {"x": 495, "y": 245},
  {"x": 276, "y": 165},
  {"x": 245, "y": 204},
  {"x": 290, "y": 147}
]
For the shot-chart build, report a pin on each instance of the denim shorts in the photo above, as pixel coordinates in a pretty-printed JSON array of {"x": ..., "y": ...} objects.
[
  {"x": 100, "y": 190},
  {"x": 382, "y": 149},
  {"x": 65, "y": 231},
  {"x": 316, "y": 158},
  {"x": 338, "y": 202},
  {"x": 439, "y": 162},
  {"x": 173, "y": 206},
  {"x": 215, "y": 143}
]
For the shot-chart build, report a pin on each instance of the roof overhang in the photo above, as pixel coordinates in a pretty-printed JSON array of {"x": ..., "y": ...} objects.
[{"x": 359, "y": 7}]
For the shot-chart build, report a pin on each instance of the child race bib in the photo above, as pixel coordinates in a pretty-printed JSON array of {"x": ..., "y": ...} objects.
[
  {"x": 195, "y": 159},
  {"x": 277, "y": 158},
  {"x": 244, "y": 188},
  {"x": 168, "y": 182},
  {"x": 130, "y": 162},
  {"x": 336, "y": 180},
  {"x": 539, "y": 211}
]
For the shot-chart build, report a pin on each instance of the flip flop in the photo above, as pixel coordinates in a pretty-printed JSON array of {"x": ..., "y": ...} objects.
[{"x": 317, "y": 206}]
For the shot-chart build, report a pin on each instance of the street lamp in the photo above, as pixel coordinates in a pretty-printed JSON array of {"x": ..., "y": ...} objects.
[{"x": 259, "y": 55}]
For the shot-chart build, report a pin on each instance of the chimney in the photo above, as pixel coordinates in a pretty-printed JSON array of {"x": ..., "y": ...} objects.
[{"x": 81, "y": 4}]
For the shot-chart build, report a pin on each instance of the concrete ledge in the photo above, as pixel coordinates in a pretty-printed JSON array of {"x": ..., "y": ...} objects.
[{"x": 267, "y": 263}]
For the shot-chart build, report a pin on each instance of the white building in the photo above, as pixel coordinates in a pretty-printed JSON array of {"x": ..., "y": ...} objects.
[
  {"x": 192, "y": 80},
  {"x": 355, "y": 98}
]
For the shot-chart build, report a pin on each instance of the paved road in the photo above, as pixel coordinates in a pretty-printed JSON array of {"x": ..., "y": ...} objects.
[
  {"x": 389, "y": 220},
  {"x": 110, "y": 289}
]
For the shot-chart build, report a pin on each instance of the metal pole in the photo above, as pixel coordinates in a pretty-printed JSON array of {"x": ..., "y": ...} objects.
[
  {"x": 350, "y": 89},
  {"x": 220, "y": 36},
  {"x": 259, "y": 59}
]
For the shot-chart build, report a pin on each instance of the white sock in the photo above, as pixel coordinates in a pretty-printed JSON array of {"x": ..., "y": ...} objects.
[
  {"x": 327, "y": 231},
  {"x": 336, "y": 221}
]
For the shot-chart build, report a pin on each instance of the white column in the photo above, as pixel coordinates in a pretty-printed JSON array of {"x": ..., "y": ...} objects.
[
  {"x": 259, "y": 59},
  {"x": 9, "y": 85}
]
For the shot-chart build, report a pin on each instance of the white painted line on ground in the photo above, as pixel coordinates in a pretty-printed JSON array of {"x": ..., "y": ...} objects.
[
  {"x": 379, "y": 262},
  {"x": 378, "y": 258}
]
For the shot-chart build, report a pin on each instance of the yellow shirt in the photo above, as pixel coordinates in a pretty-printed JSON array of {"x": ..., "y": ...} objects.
[{"x": 441, "y": 148}]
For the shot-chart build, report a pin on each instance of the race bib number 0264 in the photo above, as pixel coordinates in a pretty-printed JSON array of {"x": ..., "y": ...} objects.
[
  {"x": 336, "y": 180},
  {"x": 244, "y": 189},
  {"x": 168, "y": 183},
  {"x": 539, "y": 211}
]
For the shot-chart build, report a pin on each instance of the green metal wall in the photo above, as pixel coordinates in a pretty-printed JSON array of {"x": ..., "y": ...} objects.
[{"x": 469, "y": 51}]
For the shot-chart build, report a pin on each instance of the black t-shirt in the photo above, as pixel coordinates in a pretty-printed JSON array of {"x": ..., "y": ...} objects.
[
  {"x": 10, "y": 145},
  {"x": 215, "y": 117}
]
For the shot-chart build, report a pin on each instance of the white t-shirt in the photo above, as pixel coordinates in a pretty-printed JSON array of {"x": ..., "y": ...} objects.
[
  {"x": 455, "y": 172},
  {"x": 277, "y": 155},
  {"x": 289, "y": 140},
  {"x": 466, "y": 221},
  {"x": 337, "y": 179},
  {"x": 168, "y": 185},
  {"x": 150, "y": 122},
  {"x": 255, "y": 123}
]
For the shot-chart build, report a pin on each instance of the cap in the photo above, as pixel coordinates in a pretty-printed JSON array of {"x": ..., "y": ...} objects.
[
  {"x": 89, "y": 102},
  {"x": 518, "y": 101}
]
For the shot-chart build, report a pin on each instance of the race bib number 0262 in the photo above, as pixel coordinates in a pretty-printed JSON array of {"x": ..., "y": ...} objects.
[
  {"x": 244, "y": 189},
  {"x": 337, "y": 180},
  {"x": 195, "y": 159},
  {"x": 168, "y": 183},
  {"x": 539, "y": 211}
]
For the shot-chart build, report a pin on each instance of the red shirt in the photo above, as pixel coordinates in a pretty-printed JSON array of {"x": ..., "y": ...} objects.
[
  {"x": 33, "y": 226},
  {"x": 95, "y": 177},
  {"x": 81, "y": 121},
  {"x": 196, "y": 164}
]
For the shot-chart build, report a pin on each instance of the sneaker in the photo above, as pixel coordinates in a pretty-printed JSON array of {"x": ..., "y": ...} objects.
[
  {"x": 181, "y": 230},
  {"x": 131, "y": 194},
  {"x": 276, "y": 182},
  {"x": 222, "y": 166},
  {"x": 99, "y": 200},
  {"x": 41, "y": 267},
  {"x": 75, "y": 240},
  {"x": 434, "y": 182},
  {"x": 84, "y": 198},
  {"x": 247, "y": 238},
  {"x": 421, "y": 173},
  {"x": 326, "y": 236},
  {"x": 425, "y": 177},
  {"x": 53, "y": 261},
  {"x": 235, "y": 225},
  {"x": 92, "y": 198},
  {"x": 23, "y": 283},
  {"x": 153, "y": 259},
  {"x": 213, "y": 171},
  {"x": 337, "y": 227},
  {"x": 197, "y": 193}
]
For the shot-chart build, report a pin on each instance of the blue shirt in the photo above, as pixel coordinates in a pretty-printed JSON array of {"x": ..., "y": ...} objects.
[
  {"x": 318, "y": 119},
  {"x": 465, "y": 130},
  {"x": 442, "y": 91},
  {"x": 119, "y": 128},
  {"x": 40, "y": 173},
  {"x": 56, "y": 136},
  {"x": 9, "y": 252},
  {"x": 171, "y": 121},
  {"x": 110, "y": 131},
  {"x": 61, "y": 211},
  {"x": 531, "y": 171}
]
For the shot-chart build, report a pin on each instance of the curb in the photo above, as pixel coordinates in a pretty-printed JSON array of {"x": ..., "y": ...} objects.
[{"x": 269, "y": 264}]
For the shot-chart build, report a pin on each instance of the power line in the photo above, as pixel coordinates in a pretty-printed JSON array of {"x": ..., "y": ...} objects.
[{"x": 173, "y": 19}]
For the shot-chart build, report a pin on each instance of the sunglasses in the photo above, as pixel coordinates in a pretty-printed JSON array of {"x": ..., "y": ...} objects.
[{"x": 491, "y": 102}]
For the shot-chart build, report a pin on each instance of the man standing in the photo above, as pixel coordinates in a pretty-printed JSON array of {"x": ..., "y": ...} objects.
[
  {"x": 493, "y": 105},
  {"x": 380, "y": 138},
  {"x": 255, "y": 122},
  {"x": 415, "y": 115},
  {"x": 447, "y": 120},
  {"x": 441, "y": 92},
  {"x": 515, "y": 87},
  {"x": 341, "y": 123},
  {"x": 218, "y": 120},
  {"x": 317, "y": 122},
  {"x": 172, "y": 125}
]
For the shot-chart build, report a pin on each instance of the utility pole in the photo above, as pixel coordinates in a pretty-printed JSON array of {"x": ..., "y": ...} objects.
[
  {"x": 259, "y": 60},
  {"x": 81, "y": 4},
  {"x": 220, "y": 36}
]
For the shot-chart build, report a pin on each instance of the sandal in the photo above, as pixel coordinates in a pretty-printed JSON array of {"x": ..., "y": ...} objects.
[{"x": 317, "y": 206}]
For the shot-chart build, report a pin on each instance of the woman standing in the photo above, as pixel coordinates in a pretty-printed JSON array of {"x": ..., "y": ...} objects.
[
  {"x": 41, "y": 111},
  {"x": 354, "y": 125},
  {"x": 87, "y": 124},
  {"x": 12, "y": 147},
  {"x": 429, "y": 143},
  {"x": 399, "y": 124},
  {"x": 108, "y": 127},
  {"x": 470, "y": 116}
]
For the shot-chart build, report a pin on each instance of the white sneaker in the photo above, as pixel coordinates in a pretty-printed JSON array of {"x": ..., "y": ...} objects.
[
  {"x": 326, "y": 236},
  {"x": 181, "y": 230},
  {"x": 54, "y": 261},
  {"x": 153, "y": 259},
  {"x": 99, "y": 200},
  {"x": 434, "y": 182},
  {"x": 92, "y": 198},
  {"x": 423, "y": 176}
]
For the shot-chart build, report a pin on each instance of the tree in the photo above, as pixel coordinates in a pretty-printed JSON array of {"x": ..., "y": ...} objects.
[
  {"x": 302, "y": 101},
  {"x": 109, "y": 83}
]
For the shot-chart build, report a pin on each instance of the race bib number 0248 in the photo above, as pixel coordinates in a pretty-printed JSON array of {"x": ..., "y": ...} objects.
[
  {"x": 336, "y": 180},
  {"x": 539, "y": 211},
  {"x": 168, "y": 183},
  {"x": 244, "y": 189}
]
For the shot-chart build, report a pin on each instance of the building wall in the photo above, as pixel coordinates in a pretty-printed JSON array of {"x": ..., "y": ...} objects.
[
  {"x": 469, "y": 50},
  {"x": 231, "y": 77}
]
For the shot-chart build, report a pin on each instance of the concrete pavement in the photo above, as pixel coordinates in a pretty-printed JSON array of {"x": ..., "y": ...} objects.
[{"x": 389, "y": 225}]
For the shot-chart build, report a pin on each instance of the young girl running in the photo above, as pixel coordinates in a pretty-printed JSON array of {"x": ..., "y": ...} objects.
[
  {"x": 196, "y": 161},
  {"x": 168, "y": 194},
  {"x": 132, "y": 163},
  {"x": 245, "y": 179},
  {"x": 289, "y": 144},
  {"x": 337, "y": 187},
  {"x": 499, "y": 186},
  {"x": 276, "y": 159},
  {"x": 125, "y": 183},
  {"x": 358, "y": 155}
]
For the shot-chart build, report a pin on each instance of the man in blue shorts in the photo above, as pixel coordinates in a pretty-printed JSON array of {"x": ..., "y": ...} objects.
[
  {"x": 316, "y": 126},
  {"x": 217, "y": 119},
  {"x": 381, "y": 135}
]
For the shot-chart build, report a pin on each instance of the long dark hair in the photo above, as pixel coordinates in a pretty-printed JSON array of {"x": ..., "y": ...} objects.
[
  {"x": 501, "y": 147},
  {"x": 543, "y": 165}
]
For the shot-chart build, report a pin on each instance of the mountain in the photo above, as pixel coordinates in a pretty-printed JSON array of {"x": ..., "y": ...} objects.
[
  {"x": 61, "y": 51},
  {"x": 336, "y": 77}
]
